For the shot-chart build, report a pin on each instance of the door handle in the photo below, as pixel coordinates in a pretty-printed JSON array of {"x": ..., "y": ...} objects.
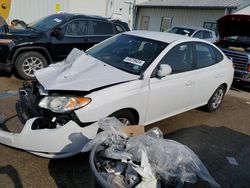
[{"x": 189, "y": 83}]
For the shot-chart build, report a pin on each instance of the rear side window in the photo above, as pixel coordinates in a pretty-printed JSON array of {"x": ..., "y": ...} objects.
[
  {"x": 205, "y": 55},
  {"x": 102, "y": 28}
]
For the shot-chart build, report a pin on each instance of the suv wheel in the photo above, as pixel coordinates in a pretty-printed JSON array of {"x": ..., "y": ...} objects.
[
  {"x": 28, "y": 62},
  {"x": 216, "y": 99}
]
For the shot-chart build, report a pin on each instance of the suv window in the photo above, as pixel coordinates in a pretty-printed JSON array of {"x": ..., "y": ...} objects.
[
  {"x": 102, "y": 28},
  {"x": 205, "y": 55},
  {"x": 76, "y": 27},
  {"x": 180, "y": 58}
]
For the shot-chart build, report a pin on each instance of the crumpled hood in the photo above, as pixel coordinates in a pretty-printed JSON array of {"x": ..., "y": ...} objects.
[
  {"x": 234, "y": 25},
  {"x": 81, "y": 72}
]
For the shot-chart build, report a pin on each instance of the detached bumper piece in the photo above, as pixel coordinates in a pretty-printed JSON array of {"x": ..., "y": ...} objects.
[{"x": 38, "y": 138}]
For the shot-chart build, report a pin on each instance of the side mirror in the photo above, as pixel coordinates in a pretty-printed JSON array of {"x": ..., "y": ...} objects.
[
  {"x": 164, "y": 70},
  {"x": 57, "y": 33}
]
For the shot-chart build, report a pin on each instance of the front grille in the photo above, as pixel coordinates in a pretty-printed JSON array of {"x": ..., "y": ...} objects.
[{"x": 239, "y": 60}]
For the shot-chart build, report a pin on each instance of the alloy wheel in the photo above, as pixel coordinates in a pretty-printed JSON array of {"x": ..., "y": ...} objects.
[
  {"x": 31, "y": 65},
  {"x": 217, "y": 98}
]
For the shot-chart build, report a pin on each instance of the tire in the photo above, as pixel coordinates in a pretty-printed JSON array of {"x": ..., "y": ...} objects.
[
  {"x": 125, "y": 116},
  {"x": 216, "y": 99},
  {"x": 28, "y": 62}
]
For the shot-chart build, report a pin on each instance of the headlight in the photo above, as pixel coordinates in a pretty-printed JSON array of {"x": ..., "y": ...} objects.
[{"x": 61, "y": 104}]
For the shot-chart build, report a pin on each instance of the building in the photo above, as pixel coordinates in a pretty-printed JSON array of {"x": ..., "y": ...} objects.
[
  {"x": 30, "y": 10},
  {"x": 160, "y": 15}
]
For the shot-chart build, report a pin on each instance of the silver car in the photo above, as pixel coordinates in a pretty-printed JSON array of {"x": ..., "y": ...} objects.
[{"x": 200, "y": 33}]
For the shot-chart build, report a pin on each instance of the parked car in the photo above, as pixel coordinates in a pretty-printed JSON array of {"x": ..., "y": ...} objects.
[
  {"x": 234, "y": 41},
  {"x": 51, "y": 39},
  {"x": 200, "y": 33},
  {"x": 138, "y": 77}
]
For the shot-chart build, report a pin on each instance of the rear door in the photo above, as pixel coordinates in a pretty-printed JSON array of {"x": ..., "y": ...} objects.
[
  {"x": 208, "y": 75},
  {"x": 171, "y": 95},
  {"x": 100, "y": 30}
]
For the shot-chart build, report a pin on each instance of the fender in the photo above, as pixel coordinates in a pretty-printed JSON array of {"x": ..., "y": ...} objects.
[{"x": 31, "y": 48}]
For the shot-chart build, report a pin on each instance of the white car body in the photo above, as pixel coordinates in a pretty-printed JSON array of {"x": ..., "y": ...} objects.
[{"x": 111, "y": 90}]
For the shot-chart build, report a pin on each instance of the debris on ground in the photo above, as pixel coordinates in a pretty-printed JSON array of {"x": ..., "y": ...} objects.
[
  {"x": 2, "y": 118},
  {"x": 232, "y": 161},
  {"x": 144, "y": 161}
]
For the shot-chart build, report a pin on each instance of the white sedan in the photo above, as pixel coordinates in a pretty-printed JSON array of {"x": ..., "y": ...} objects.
[{"x": 140, "y": 77}]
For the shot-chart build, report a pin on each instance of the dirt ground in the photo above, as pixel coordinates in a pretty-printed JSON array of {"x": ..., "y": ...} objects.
[{"x": 21, "y": 169}]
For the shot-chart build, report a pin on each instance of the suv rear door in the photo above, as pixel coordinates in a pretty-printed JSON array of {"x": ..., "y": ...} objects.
[{"x": 100, "y": 30}]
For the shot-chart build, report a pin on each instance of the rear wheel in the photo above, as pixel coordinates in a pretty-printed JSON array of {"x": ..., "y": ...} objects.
[
  {"x": 28, "y": 62},
  {"x": 125, "y": 116},
  {"x": 216, "y": 99}
]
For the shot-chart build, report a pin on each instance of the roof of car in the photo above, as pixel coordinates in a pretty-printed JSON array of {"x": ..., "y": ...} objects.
[
  {"x": 81, "y": 15},
  {"x": 160, "y": 36}
]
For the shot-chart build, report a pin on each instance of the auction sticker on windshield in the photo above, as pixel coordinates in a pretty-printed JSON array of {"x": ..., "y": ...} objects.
[
  {"x": 134, "y": 61},
  {"x": 57, "y": 20}
]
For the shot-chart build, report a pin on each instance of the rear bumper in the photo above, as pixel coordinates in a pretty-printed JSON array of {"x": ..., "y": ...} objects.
[{"x": 242, "y": 75}]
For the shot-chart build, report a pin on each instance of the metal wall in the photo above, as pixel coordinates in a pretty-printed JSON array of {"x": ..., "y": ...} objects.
[
  {"x": 180, "y": 17},
  {"x": 30, "y": 10}
]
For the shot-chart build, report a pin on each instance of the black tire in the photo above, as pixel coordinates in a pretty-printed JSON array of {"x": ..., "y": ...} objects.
[
  {"x": 216, "y": 99},
  {"x": 125, "y": 114},
  {"x": 26, "y": 63}
]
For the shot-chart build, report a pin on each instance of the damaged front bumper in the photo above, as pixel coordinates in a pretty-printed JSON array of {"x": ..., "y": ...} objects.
[
  {"x": 47, "y": 134},
  {"x": 60, "y": 142}
]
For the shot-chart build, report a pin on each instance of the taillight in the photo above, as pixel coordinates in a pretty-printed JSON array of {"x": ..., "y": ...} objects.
[{"x": 248, "y": 68}]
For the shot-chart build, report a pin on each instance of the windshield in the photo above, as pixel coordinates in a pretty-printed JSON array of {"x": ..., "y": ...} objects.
[
  {"x": 49, "y": 22},
  {"x": 129, "y": 53},
  {"x": 182, "y": 31},
  {"x": 241, "y": 39}
]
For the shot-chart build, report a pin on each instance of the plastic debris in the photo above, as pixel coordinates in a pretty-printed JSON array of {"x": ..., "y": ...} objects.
[
  {"x": 145, "y": 171},
  {"x": 232, "y": 161},
  {"x": 112, "y": 135},
  {"x": 146, "y": 161}
]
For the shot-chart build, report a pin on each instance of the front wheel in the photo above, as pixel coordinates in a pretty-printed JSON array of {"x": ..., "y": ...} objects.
[
  {"x": 28, "y": 62},
  {"x": 216, "y": 99},
  {"x": 125, "y": 116}
]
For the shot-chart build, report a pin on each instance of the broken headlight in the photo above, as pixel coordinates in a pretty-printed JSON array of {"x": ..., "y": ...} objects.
[{"x": 60, "y": 104}]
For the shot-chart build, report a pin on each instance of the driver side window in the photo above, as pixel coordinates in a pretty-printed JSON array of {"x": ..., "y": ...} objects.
[{"x": 179, "y": 58}]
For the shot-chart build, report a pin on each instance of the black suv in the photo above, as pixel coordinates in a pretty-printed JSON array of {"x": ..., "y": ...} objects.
[{"x": 51, "y": 39}]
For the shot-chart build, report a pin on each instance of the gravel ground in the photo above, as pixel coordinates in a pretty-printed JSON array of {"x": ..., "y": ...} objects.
[{"x": 21, "y": 169}]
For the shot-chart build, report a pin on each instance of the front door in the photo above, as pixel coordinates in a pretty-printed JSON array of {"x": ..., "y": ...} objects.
[
  {"x": 76, "y": 35},
  {"x": 171, "y": 95}
]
